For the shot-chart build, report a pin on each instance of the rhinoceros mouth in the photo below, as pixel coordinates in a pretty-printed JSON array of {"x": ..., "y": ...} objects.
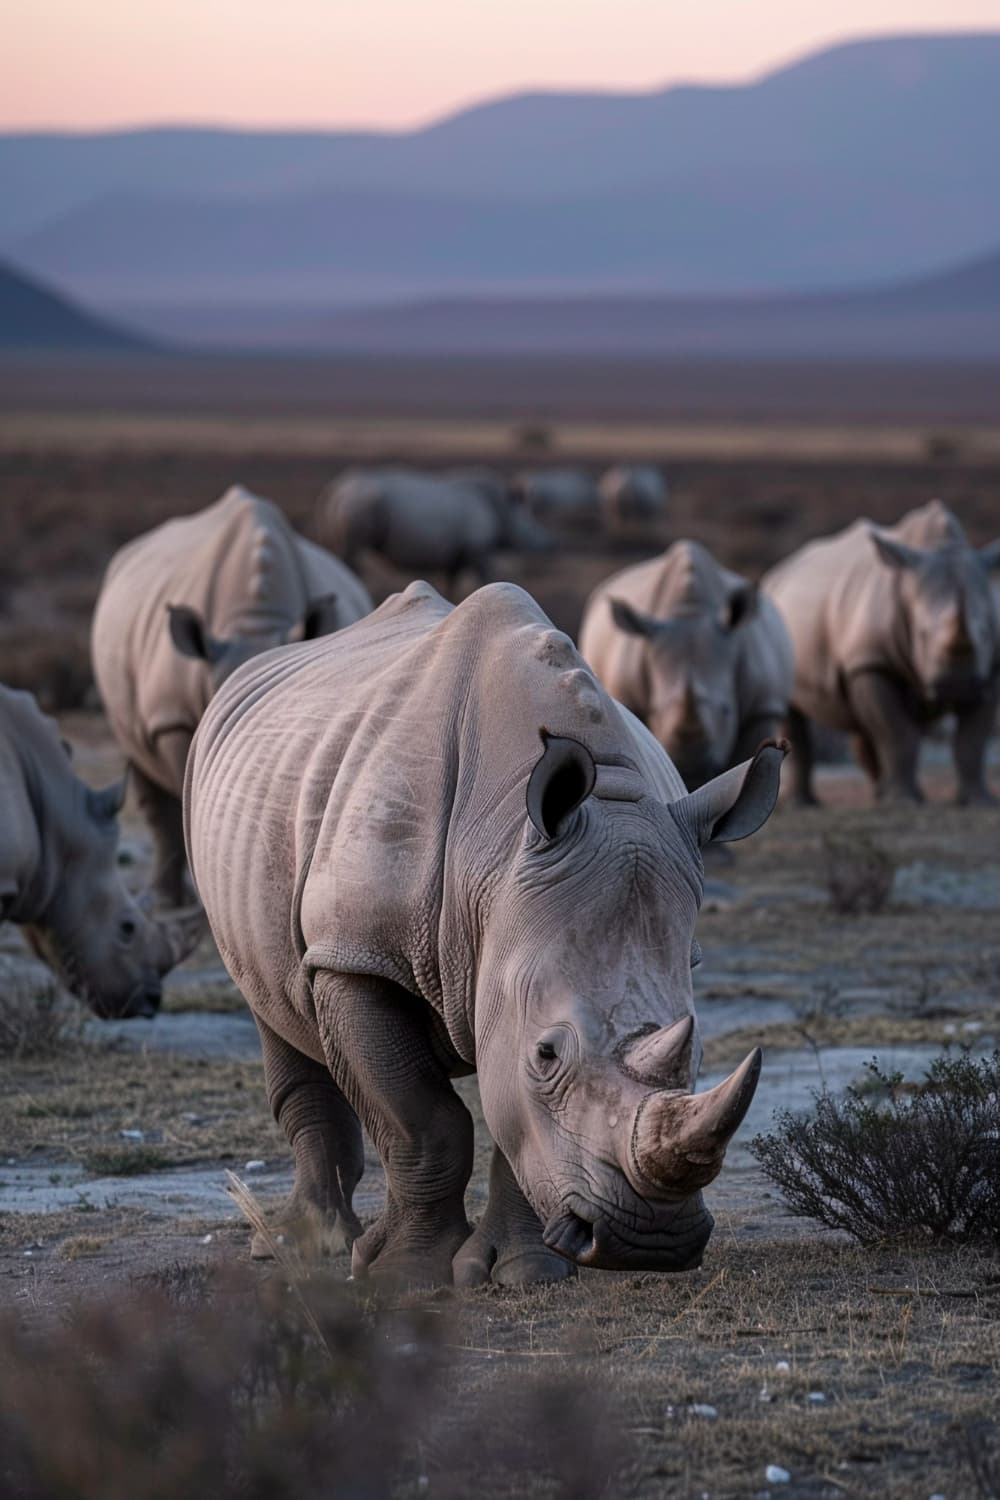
[{"x": 587, "y": 1236}]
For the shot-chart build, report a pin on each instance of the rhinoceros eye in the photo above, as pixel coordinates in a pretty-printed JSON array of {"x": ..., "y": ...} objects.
[{"x": 545, "y": 1052}]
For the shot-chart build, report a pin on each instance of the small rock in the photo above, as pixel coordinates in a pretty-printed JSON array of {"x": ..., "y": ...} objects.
[
  {"x": 132, "y": 1135},
  {"x": 937, "y": 1497},
  {"x": 775, "y": 1474},
  {"x": 700, "y": 1409},
  {"x": 254, "y": 1166},
  {"x": 207, "y": 1239},
  {"x": 765, "y": 1394},
  {"x": 783, "y": 1367},
  {"x": 816, "y": 1398}
]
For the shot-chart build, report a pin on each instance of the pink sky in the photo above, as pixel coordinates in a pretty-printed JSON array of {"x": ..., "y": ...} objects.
[{"x": 96, "y": 63}]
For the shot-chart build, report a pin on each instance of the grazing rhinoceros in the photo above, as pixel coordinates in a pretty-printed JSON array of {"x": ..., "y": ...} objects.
[
  {"x": 59, "y": 877},
  {"x": 434, "y": 845},
  {"x": 632, "y": 494},
  {"x": 694, "y": 651},
  {"x": 236, "y": 579},
  {"x": 566, "y": 498},
  {"x": 892, "y": 629},
  {"x": 425, "y": 523}
]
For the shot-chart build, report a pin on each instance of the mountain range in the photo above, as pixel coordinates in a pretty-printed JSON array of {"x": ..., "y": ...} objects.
[
  {"x": 865, "y": 163},
  {"x": 35, "y": 318}
]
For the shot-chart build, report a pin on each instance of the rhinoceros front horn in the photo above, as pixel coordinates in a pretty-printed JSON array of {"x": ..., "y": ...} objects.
[
  {"x": 180, "y": 934},
  {"x": 679, "y": 1140}
]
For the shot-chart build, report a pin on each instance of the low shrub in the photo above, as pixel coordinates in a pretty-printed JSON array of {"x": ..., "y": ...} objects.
[
  {"x": 270, "y": 1391},
  {"x": 36, "y": 1018},
  {"x": 859, "y": 874},
  {"x": 890, "y": 1160}
]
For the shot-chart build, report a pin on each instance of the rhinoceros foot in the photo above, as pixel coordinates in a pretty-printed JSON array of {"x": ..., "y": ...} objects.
[
  {"x": 409, "y": 1249},
  {"x": 309, "y": 1230},
  {"x": 511, "y": 1264}
]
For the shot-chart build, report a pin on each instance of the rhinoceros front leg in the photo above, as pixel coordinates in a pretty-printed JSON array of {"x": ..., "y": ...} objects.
[
  {"x": 799, "y": 733},
  {"x": 973, "y": 728},
  {"x": 878, "y": 704},
  {"x": 165, "y": 817},
  {"x": 325, "y": 1136},
  {"x": 506, "y": 1246},
  {"x": 379, "y": 1048}
]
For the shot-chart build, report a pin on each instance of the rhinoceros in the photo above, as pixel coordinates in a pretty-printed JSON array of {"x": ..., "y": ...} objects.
[
  {"x": 179, "y": 609},
  {"x": 566, "y": 498},
  {"x": 59, "y": 877},
  {"x": 433, "y": 845},
  {"x": 632, "y": 494},
  {"x": 893, "y": 628},
  {"x": 695, "y": 652},
  {"x": 433, "y": 523}
]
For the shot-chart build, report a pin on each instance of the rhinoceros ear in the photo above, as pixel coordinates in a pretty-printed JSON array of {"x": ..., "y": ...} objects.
[
  {"x": 740, "y": 607},
  {"x": 735, "y": 804},
  {"x": 990, "y": 554},
  {"x": 895, "y": 554},
  {"x": 563, "y": 777},
  {"x": 188, "y": 633},
  {"x": 319, "y": 619},
  {"x": 633, "y": 621},
  {"x": 105, "y": 805}
]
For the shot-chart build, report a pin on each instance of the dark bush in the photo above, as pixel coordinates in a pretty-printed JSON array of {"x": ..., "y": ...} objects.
[
  {"x": 274, "y": 1391},
  {"x": 889, "y": 1160},
  {"x": 859, "y": 874}
]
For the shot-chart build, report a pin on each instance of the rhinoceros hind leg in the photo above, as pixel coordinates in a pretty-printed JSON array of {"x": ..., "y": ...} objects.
[
  {"x": 164, "y": 815},
  {"x": 380, "y": 1050},
  {"x": 506, "y": 1246},
  {"x": 800, "y": 738},
  {"x": 973, "y": 729},
  {"x": 325, "y": 1136},
  {"x": 879, "y": 707}
]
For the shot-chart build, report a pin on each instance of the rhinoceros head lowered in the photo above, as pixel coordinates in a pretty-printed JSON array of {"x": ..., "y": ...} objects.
[
  {"x": 587, "y": 1047},
  {"x": 692, "y": 662},
  {"x": 192, "y": 638},
  {"x": 946, "y": 614},
  {"x": 100, "y": 940}
]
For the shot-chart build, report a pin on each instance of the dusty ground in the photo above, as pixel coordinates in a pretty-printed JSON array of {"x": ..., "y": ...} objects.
[{"x": 113, "y": 1150}]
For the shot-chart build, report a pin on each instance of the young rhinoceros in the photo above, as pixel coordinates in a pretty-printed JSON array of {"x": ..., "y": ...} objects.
[
  {"x": 694, "y": 651},
  {"x": 893, "y": 629},
  {"x": 59, "y": 878},
  {"x": 433, "y": 845},
  {"x": 183, "y": 606}
]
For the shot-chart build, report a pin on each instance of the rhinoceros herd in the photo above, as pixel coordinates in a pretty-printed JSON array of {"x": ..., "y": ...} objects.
[{"x": 432, "y": 840}]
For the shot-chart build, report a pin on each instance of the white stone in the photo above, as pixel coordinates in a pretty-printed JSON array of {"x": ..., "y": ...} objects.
[{"x": 775, "y": 1474}]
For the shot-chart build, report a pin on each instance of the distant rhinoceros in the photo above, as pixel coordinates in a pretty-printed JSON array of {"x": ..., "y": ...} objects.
[
  {"x": 179, "y": 609},
  {"x": 631, "y": 495},
  {"x": 425, "y": 523},
  {"x": 564, "y": 498},
  {"x": 695, "y": 652},
  {"x": 59, "y": 877},
  {"x": 892, "y": 629},
  {"x": 434, "y": 845}
]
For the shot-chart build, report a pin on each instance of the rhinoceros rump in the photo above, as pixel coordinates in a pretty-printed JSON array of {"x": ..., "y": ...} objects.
[
  {"x": 59, "y": 879},
  {"x": 180, "y": 608},
  {"x": 426, "y": 523},
  {"x": 431, "y": 845},
  {"x": 694, "y": 651},
  {"x": 893, "y": 629}
]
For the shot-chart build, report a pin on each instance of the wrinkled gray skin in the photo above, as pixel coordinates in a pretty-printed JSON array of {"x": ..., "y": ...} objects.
[
  {"x": 893, "y": 629},
  {"x": 456, "y": 853},
  {"x": 693, "y": 650},
  {"x": 564, "y": 498},
  {"x": 59, "y": 878},
  {"x": 632, "y": 495},
  {"x": 181, "y": 608},
  {"x": 426, "y": 523}
]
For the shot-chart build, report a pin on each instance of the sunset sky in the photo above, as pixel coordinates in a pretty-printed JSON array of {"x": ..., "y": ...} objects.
[{"x": 96, "y": 63}]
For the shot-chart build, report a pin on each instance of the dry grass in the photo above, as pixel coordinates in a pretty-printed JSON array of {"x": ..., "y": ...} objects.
[
  {"x": 37, "y": 1019},
  {"x": 189, "y": 1109},
  {"x": 80, "y": 1245},
  {"x": 729, "y": 1049},
  {"x": 859, "y": 874}
]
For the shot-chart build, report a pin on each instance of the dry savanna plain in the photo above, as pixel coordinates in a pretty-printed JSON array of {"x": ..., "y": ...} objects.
[{"x": 793, "y": 1361}]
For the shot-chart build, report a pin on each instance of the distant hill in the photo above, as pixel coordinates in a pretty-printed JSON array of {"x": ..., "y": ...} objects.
[
  {"x": 871, "y": 161},
  {"x": 34, "y": 318},
  {"x": 955, "y": 314}
]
